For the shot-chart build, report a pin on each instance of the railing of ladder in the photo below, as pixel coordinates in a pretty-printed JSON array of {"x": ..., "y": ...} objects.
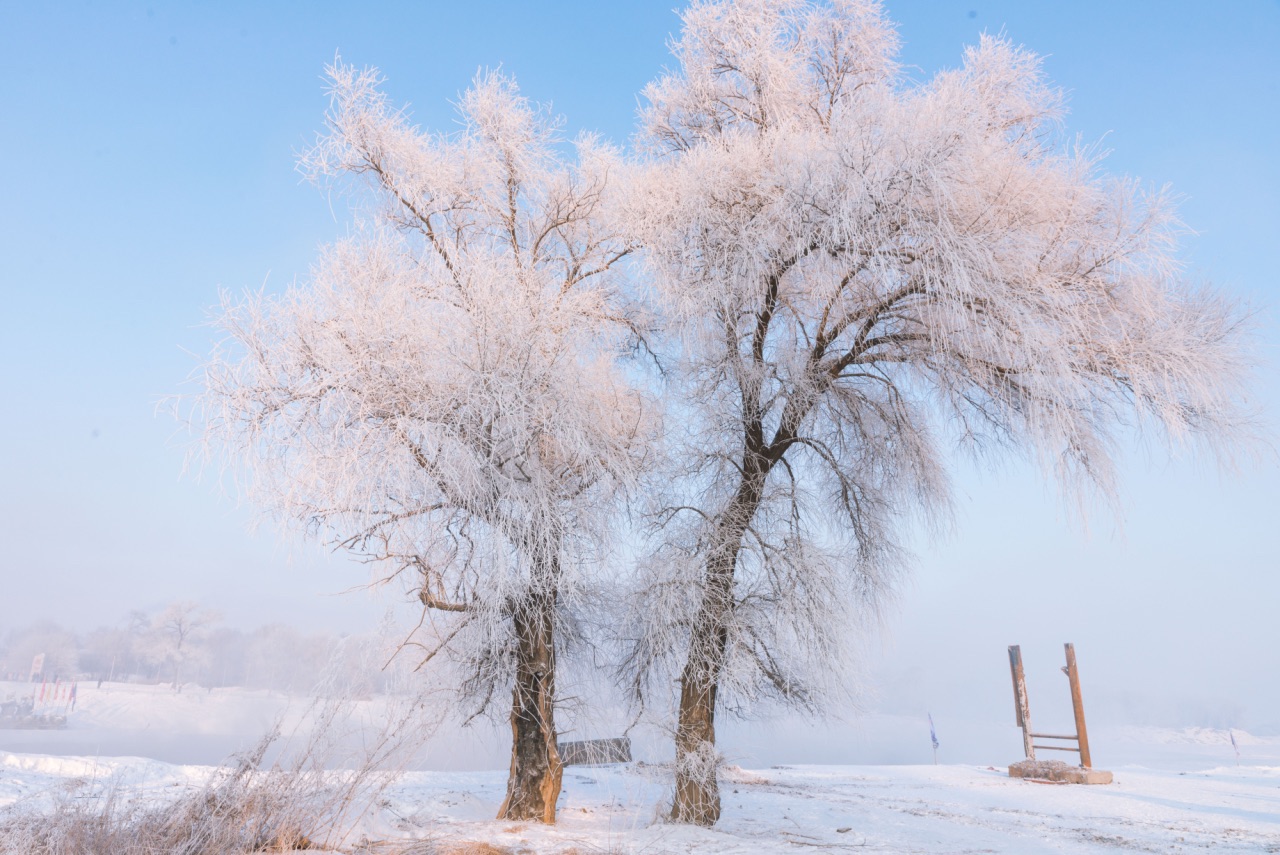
[{"x": 1022, "y": 710}]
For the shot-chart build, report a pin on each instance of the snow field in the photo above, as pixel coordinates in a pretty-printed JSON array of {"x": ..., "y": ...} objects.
[
  {"x": 889, "y": 809},
  {"x": 1175, "y": 791}
]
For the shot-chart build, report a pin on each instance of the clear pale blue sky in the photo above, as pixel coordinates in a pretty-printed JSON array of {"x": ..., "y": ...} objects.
[{"x": 147, "y": 153}]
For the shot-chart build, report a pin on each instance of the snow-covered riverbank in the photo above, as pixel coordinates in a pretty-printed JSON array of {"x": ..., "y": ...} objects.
[
  {"x": 898, "y": 809},
  {"x": 1175, "y": 790}
]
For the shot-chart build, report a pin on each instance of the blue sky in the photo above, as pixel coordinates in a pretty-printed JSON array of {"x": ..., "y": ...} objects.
[{"x": 148, "y": 161}]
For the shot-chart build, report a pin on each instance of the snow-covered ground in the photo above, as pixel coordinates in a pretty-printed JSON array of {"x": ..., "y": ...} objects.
[
  {"x": 1174, "y": 791},
  {"x": 900, "y": 809},
  {"x": 874, "y": 809}
]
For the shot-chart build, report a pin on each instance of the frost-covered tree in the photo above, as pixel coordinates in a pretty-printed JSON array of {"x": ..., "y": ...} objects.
[
  {"x": 175, "y": 639},
  {"x": 443, "y": 397},
  {"x": 865, "y": 271},
  {"x": 110, "y": 652},
  {"x": 22, "y": 645},
  {"x": 282, "y": 658}
]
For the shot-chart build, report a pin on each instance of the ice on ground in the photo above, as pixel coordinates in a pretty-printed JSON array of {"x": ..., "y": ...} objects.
[
  {"x": 198, "y": 726},
  {"x": 123, "y": 719}
]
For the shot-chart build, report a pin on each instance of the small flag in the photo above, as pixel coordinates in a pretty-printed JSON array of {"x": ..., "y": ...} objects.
[
  {"x": 932, "y": 733},
  {"x": 1235, "y": 747}
]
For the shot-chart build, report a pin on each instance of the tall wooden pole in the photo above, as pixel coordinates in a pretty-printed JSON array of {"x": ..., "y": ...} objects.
[
  {"x": 1021, "y": 706},
  {"x": 1077, "y": 706}
]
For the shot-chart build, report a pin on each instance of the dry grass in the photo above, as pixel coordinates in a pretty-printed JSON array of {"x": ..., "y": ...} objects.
[
  {"x": 309, "y": 798},
  {"x": 437, "y": 847},
  {"x": 476, "y": 847},
  {"x": 242, "y": 808}
]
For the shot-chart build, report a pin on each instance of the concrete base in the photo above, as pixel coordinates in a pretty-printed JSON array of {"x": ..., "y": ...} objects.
[{"x": 1058, "y": 772}]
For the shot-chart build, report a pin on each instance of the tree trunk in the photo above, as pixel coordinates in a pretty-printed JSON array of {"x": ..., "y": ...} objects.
[
  {"x": 533, "y": 785},
  {"x": 697, "y": 798}
]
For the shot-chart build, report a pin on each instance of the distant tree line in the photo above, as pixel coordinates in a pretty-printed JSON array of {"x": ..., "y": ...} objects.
[{"x": 183, "y": 644}]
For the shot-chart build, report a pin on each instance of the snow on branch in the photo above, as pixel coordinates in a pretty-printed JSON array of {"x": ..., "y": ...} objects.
[
  {"x": 861, "y": 271},
  {"x": 443, "y": 397}
]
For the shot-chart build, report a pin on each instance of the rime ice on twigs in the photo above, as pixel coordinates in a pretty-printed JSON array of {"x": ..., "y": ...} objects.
[
  {"x": 868, "y": 272},
  {"x": 442, "y": 398}
]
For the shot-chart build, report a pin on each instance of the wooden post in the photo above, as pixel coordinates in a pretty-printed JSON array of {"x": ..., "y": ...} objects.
[
  {"x": 1077, "y": 706},
  {"x": 1021, "y": 707}
]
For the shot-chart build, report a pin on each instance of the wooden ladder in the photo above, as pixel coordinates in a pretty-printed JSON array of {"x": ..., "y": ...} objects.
[{"x": 1023, "y": 710}]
